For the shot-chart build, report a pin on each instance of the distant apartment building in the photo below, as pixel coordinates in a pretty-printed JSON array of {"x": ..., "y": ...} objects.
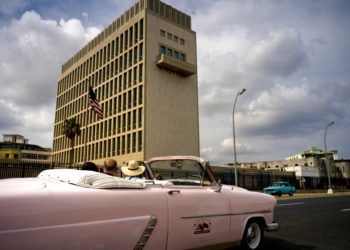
[
  {"x": 314, "y": 152},
  {"x": 283, "y": 164},
  {"x": 143, "y": 69},
  {"x": 311, "y": 158},
  {"x": 309, "y": 165},
  {"x": 16, "y": 147}
]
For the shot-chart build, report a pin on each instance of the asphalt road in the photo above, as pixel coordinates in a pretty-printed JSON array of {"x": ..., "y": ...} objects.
[{"x": 311, "y": 223}]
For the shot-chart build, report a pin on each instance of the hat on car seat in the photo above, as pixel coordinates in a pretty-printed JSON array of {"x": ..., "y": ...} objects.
[{"x": 133, "y": 169}]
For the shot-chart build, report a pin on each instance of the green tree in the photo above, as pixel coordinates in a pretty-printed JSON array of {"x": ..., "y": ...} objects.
[{"x": 71, "y": 129}]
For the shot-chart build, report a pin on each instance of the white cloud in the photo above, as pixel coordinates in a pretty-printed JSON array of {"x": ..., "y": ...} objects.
[
  {"x": 210, "y": 154},
  {"x": 227, "y": 143},
  {"x": 73, "y": 28},
  {"x": 295, "y": 67},
  {"x": 242, "y": 148},
  {"x": 281, "y": 54},
  {"x": 284, "y": 110},
  {"x": 32, "y": 50}
]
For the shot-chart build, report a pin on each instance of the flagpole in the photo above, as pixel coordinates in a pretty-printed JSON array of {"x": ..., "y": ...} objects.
[
  {"x": 95, "y": 106},
  {"x": 86, "y": 124}
]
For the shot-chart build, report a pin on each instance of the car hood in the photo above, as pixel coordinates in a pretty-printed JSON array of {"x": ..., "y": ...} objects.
[{"x": 230, "y": 187}]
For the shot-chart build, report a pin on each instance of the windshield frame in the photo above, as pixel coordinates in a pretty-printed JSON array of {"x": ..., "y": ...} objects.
[{"x": 204, "y": 165}]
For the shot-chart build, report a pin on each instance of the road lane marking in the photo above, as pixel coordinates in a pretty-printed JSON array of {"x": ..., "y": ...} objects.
[
  {"x": 289, "y": 204},
  {"x": 345, "y": 210}
]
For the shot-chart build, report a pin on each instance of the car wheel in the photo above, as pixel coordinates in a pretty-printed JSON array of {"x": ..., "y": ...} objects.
[
  {"x": 279, "y": 193},
  {"x": 291, "y": 194},
  {"x": 253, "y": 235}
]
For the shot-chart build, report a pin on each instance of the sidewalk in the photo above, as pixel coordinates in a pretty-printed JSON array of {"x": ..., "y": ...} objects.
[
  {"x": 307, "y": 191},
  {"x": 313, "y": 194}
]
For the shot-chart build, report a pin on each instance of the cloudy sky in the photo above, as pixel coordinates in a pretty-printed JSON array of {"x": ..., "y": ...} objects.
[{"x": 293, "y": 57}]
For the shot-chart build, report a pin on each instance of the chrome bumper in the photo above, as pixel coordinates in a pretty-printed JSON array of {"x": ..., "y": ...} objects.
[{"x": 272, "y": 226}]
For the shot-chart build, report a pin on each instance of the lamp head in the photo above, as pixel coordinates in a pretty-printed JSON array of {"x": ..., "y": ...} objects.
[{"x": 242, "y": 91}]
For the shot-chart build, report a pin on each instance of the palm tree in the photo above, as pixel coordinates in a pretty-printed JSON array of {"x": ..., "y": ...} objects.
[{"x": 70, "y": 129}]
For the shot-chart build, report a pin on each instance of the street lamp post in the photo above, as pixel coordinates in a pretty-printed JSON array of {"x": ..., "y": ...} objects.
[
  {"x": 234, "y": 134},
  {"x": 330, "y": 191}
]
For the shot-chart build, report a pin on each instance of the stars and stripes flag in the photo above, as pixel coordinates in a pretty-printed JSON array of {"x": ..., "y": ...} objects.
[{"x": 95, "y": 103}]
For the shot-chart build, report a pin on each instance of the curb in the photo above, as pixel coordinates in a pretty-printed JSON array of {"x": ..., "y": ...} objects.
[{"x": 312, "y": 195}]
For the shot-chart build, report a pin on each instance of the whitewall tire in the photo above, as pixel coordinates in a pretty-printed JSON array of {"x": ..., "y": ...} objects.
[{"x": 253, "y": 236}]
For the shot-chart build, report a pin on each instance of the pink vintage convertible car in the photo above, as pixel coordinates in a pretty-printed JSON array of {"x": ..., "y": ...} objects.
[{"x": 77, "y": 209}]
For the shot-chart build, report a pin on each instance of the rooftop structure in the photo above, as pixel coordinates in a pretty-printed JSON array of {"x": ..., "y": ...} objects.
[{"x": 314, "y": 152}]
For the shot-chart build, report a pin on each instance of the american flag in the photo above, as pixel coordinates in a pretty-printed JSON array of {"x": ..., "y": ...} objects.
[{"x": 95, "y": 103}]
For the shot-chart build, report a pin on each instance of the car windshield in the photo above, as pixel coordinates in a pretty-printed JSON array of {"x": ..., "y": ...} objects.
[
  {"x": 180, "y": 172},
  {"x": 276, "y": 184}
]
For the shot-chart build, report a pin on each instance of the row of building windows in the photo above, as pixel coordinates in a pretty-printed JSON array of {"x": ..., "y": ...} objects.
[
  {"x": 172, "y": 37},
  {"x": 114, "y": 49},
  {"x": 116, "y": 66},
  {"x": 122, "y": 123},
  {"x": 116, "y": 73},
  {"x": 173, "y": 53},
  {"x": 21, "y": 146},
  {"x": 28, "y": 156},
  {"x": 121, "y": 85},
  {"x": 35, "y": 156},
  {"x": 136, "y": 31},
  {"x": 112, "y": 106},
  {"x": 120, "y": 64},
  {"x": 121, "y": 145},
  {"x": 121, "y": 82},
  {"x": 154, "y": 5},
  {"x": 7, "y": 156}
]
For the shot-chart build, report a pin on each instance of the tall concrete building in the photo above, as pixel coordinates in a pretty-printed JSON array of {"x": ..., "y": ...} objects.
[{"x": 143, "y": 69}]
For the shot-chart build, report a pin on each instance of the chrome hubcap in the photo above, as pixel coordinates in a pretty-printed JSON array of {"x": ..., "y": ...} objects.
[{"x": 253, "y": 235}]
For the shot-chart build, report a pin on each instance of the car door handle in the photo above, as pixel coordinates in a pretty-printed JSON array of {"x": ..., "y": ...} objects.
[{"x": 173, "y": 191}]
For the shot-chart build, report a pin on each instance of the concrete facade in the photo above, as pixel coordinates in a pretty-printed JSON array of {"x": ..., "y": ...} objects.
[
  {"x": 142, "y": 68},
  {"x": 309, "y": 167},
  {"x": 16, "y": 147},
  {"x": 171, "y": 101},
  {"x": 282, "y": 164},
  {"x": 343, "y": 167}
]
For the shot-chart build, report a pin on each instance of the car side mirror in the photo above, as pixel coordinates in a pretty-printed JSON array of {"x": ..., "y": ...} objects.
[{"x": 217, "y": 187}]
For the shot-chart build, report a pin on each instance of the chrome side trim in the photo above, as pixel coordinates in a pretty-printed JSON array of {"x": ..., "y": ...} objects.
[
  {"x": 146, "y": 233},
  {"x": 228, "y": 214}
]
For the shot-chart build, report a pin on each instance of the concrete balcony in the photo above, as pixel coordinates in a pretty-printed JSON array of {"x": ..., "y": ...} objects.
[{"x": 171, "y": 63}]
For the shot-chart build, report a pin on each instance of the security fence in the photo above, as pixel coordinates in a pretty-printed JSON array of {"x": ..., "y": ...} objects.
[
  {"x": 20, "y": 169},
  {"x": 247, "y": 178},
  {"x": 252, "y": 179},
  {"x": 258, "y": 179}
]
